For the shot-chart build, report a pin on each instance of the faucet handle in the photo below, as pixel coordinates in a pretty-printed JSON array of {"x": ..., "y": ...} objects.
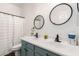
[
  {"x": 57, "y": 38},
  {"x": 36, "y": 35}
]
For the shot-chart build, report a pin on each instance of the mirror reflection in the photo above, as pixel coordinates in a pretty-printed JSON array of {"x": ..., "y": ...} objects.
[
  {"x": 38, "y": 22},
  {"x": 60, "y": 14}
]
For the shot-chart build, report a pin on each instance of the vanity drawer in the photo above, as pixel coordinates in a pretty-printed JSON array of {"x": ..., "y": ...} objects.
[
  {"x": 40, "y": 51},
  {"x": 28, "y": 52},
  {"x": 28, "y": 45}
]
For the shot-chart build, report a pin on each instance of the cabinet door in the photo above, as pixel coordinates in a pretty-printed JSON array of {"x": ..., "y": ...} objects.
[
  {"x": 39, "y": 51},
  {"x": 42, "y": 52},
  {"x": 28, "y": 45},
  {"x": 27, "y": 49},
  {"x": 29, "y": 52},
  {"x": 22, "y": 51}
]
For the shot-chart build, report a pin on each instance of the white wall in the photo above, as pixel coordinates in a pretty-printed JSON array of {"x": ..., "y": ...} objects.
[
  {"x": 31, "y": 10},
  {"x": 10, "y": 8},
  {"x": 29, "y": 13}
]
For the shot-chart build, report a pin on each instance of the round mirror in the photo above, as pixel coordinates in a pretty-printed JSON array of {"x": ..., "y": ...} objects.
[
  {"x": 38, "y": 22},
  {"x": 60, "y": 14}
]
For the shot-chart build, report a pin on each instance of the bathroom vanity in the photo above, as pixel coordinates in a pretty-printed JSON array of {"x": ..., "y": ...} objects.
[
  {"x": 29, "y": 49},
  {"x": 32, "y": 46}
]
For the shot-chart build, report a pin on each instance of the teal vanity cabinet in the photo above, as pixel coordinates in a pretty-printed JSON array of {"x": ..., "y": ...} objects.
[
  {"x": 40, "y": 52},
  {"x": 43, "y": 52},
  {"x": 29, "y": 49}
]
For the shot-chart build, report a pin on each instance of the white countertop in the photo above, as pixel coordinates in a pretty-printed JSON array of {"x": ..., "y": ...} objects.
[{"x": 49, "y": 44}]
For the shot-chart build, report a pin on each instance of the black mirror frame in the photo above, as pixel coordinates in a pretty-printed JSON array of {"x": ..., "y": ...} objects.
[
  {"x": 78, "y": 7},
  {"x": 68, "y": 18},
  {"x": 35, "y": 20}
]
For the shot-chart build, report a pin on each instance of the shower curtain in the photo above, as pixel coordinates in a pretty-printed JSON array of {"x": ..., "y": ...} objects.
[
  {"x": 11, "y": 29},
  {"x": 18, "y": 30}
]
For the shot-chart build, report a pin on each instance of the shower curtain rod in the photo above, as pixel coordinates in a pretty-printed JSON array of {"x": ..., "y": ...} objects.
[{"x": 12, "y": 14}]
